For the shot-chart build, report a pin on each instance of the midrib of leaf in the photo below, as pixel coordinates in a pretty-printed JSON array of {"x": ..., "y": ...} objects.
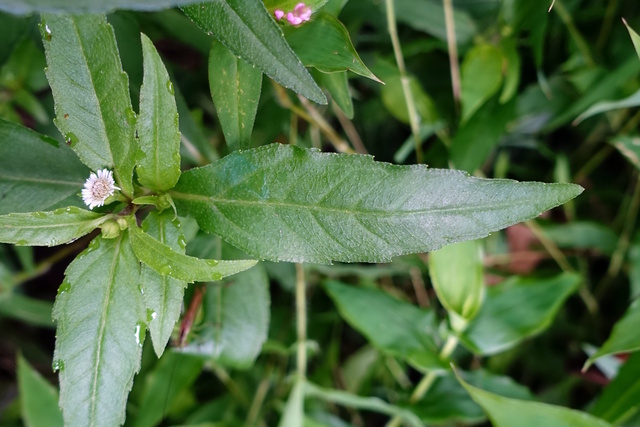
[
  {"x": 101, "y": 334},
  {"x": 95, "y": 98},
  {"x": 156, "y": 131},
  {"x": 369, "y": 212},
  {"x": 254, "y": 38},
  {"x": 41, "y": 181},
  {"x": 98, "y": 221}
]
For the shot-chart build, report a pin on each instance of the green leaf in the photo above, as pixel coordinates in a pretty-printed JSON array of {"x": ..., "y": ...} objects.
[
  {"x": 159, "y": 156},
  {"x": 635, "y": 38},
  {"x": 517, "y": 309},
  {"x": 293, "y": 413},
  {"x": 428, "y": 16},
  {"x": 235, "y": 88},
  {"x": 395, "y": 102},
  {"x": 604, "y": 88},
  {"x": 91, "y": 92},
  {"x": 338, "y": 86},
  {"x": 343, "y": 398},
  {"x": 407, "y": 331},
  {"x": 246, "y": 29},
  {"x": 167, "y": 261},
  {"x": 447, "y": 401},
  {"x": 457, "y": 277},
  {"x": 54, "y": 228},
  {"x": 620, "y": 399},
  {"x": 174, "y": 374},
  {"x": 100, "y": 332},
  {"x": 507, "y": 412},
  {"x": 21, "y": 7},
  {"x": 14, "y": 29},
  {"x": 236, "y": 315},
  {"x": 481, "y": 77},
  {"x": 348, "y": 207},
  {"x": 36, "y": 174},
  {"x": 629, "y": 146},
  {"x": 624, "y": 337},
  {"x": 324, "y": 43},
  {"x": 477, "y": 137},
  {"x": 583, "y": 235},
  {"x": 162, "y": 294},
  {"x": 38, "y": 398},
  {"x": 29, "y": 310},
  {"x": 605, "y": 106}
]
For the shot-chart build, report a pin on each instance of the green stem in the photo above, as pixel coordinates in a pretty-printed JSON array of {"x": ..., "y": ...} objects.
[
  {"x": 414, "y": 120},
  {"x": 301, "y": 322},
  {"x": 452, "y": 47},
  {"x": 582, "y": 45}
]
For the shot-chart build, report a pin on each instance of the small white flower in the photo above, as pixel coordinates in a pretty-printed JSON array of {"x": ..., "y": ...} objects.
[{"x": 98, "y": 187}]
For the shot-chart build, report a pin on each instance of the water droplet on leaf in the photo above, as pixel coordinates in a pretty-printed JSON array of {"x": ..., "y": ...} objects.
[
  {"x": 140, "y": 333},
  {"x": 182, "y": 242},
  {"x": 212, "y": 262},
  {"x": 165, "y": 269},
  {"x": 170, "y": 87},
  {"x": 57, "y": 365},
  {"x": 64, "y": 287},
  {"x": 131, "y": 116},
  {"x": 141, "y": 289},
  {"x": 151, "y": 315}
]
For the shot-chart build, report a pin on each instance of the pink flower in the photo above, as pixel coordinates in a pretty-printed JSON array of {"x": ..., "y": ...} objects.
[
  {"x": 279, "y": 14},
  {"x": 300, "y": 14}
]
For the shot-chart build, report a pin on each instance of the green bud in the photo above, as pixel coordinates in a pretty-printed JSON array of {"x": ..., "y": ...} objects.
[{"x": 110, "y": 229}]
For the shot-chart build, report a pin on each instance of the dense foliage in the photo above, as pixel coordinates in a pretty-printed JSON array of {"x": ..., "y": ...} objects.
[{"x": 247, "y": 182}]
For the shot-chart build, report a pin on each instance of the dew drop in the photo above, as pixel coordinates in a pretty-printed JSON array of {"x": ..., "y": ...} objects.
[
  {"x": 140, "y": 333},
  {"x": 151, "y": 315},
  {"x": 57, "y": 365},
  {"x": 170, "y": 87},
  {"x": 22, "y": 242},
  {"x": 60, "y": 211},
  {"x": 64, "y": 287},
  {"x": 141, "y": 289},
  {"x": 182, "y": 242},
  {"x": 131, "y": 116},
  {"x": 165, "y": 269},
  {"x": 93, "y": 245},
  {"x": 40, "y": 215},
  {"x": 71, "y": 139},
  {"x": 216, "y": 277},
  {"x": 46, "y": 31},
  {"x": 212, "y": 262}
]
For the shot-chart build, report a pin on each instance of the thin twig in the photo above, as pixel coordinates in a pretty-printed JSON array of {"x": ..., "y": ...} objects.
[
  {"x": 351, "y": 131},
  {"x": 414, "y": 119},
  {"x": 452, "y": 47},
  {"x": 301, "y": 321}
]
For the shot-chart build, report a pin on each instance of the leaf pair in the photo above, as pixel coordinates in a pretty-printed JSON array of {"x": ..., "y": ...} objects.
[{"x": 93, "y": 106}]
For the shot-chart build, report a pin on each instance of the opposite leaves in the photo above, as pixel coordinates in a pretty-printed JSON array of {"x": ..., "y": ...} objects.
[
  {"x": 91, "y": 92},
  {"x": 285, "y": 203}
]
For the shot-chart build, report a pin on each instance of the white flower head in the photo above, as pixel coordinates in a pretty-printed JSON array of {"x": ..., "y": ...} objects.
[{"x": 98, "y": 187}]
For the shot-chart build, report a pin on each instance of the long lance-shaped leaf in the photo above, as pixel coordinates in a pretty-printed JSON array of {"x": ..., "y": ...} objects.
[
  {"x": 48, "y": 228},
  {"x": 91, "y": 92},
  {"x": 235, "y": 89},
  {"x": 247, "y": 30},
  {"x": 162, "y": 294},
  {"x": 159, "y": 156},
  {"x": 286, "y": 203},
  {"x": 100, "y": 332},
  {"x": 35, "y": 173},
  {"x": 166, "y": 261},
  {"x": 21, "y": 7}
]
